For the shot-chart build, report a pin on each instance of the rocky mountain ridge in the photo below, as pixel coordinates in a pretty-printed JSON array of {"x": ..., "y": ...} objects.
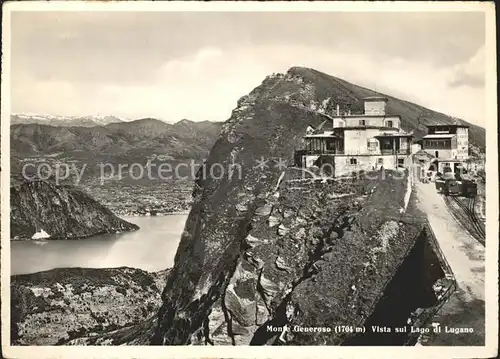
[{"x": 258, "y": 250}]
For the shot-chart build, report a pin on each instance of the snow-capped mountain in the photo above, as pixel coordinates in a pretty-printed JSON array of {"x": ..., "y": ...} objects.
[{"x": 64, "y": 121}]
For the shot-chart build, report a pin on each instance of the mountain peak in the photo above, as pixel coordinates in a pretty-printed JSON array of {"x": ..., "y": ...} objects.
[
  {"x": 300, "y": 70},
  {"x": 307, "y": 73},
  {"x": 184, "y": 121},
  {"x": 148, "y": 119}
]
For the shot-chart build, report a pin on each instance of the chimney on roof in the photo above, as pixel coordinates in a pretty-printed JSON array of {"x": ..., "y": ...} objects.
[{"x": 338, "y": 110}]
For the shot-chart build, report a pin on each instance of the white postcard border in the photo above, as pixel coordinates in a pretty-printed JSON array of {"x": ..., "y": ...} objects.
[{"x": 491, "y": 261}]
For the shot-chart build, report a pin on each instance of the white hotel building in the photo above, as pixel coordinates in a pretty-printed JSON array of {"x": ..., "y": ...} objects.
[{"x": 358, "y": 142}]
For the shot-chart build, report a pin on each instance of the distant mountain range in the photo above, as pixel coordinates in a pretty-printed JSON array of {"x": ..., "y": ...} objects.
[
  {"x": 145, "y": 136},
  {"x": 117, "y": 142},
  {"x": 64, "y": 121}
]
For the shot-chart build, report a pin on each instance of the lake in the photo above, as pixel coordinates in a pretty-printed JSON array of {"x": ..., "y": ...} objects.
[{"x": 151, "y": 248}]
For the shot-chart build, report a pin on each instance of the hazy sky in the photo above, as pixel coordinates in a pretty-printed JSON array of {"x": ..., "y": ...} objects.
[{"x": 197, "y": 65}]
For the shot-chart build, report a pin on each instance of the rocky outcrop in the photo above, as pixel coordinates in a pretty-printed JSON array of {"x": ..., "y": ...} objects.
[
  {"x": 43, "y": 210},
  {"x": 83, "y": 306},
  {"x": 263, "y": 248}
]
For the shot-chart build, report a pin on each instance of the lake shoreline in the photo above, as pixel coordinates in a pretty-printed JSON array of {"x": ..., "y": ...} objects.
[
  {"x": 124, "y": 217},
  {"x": 163, "y": 214},
  {"x": 123, "y": 268},
  {"x": 48, "y": 239},
  {"x": 152, "y": 248}
]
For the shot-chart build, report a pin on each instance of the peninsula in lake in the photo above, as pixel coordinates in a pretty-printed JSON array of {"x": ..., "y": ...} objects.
[{"x": 41, "y": 210}]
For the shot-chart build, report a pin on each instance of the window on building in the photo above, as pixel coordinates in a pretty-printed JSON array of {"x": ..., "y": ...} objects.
[
  {"x": 354, "y": 161},
  {"x": 361, "y": 122},
  {"x": 401, "y": 162},
  {"x": 330, "y": 145},
  {"x": 380, "y": 161},
  {"x": 372, "y": 144},
  {"x": 389, "y": 123},
  {"x": 386, "y": 144}
]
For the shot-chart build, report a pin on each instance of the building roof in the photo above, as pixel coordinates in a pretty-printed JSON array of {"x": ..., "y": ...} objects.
[
  {"x": 367, "y": 127},
  {"x": 439, "y": 135},
  {"x": 395, "y": 134},
  {"x": 328, "y": 134},
  {"x": 422, "y": 153},
  {"x": 442, "y": 124},
  {"x": 361, "y": 115},
  {"x": 375, "y": 98}
]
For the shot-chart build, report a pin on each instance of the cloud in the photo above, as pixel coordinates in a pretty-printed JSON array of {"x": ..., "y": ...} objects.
[
  {"x": 158, "y": 64},
  {"x": 39, "y": 96},
  {"x": 122, "y": 47},
  {"x": 470, "y": 73},
  {"x": 193, "y": 66},
  {"x": 207, "y": 84}
]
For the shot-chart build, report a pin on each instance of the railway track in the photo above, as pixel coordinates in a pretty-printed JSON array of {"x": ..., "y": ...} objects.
[
  {"x": 474, "y": 225},
  {"x": 472, "y": 213}
]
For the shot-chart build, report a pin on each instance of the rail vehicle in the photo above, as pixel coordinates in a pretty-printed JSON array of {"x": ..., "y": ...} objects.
[{"x": 461, "y": 186}]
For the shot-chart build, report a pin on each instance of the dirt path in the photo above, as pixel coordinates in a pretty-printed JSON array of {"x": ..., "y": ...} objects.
[{"x": 465, "y": 255}]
